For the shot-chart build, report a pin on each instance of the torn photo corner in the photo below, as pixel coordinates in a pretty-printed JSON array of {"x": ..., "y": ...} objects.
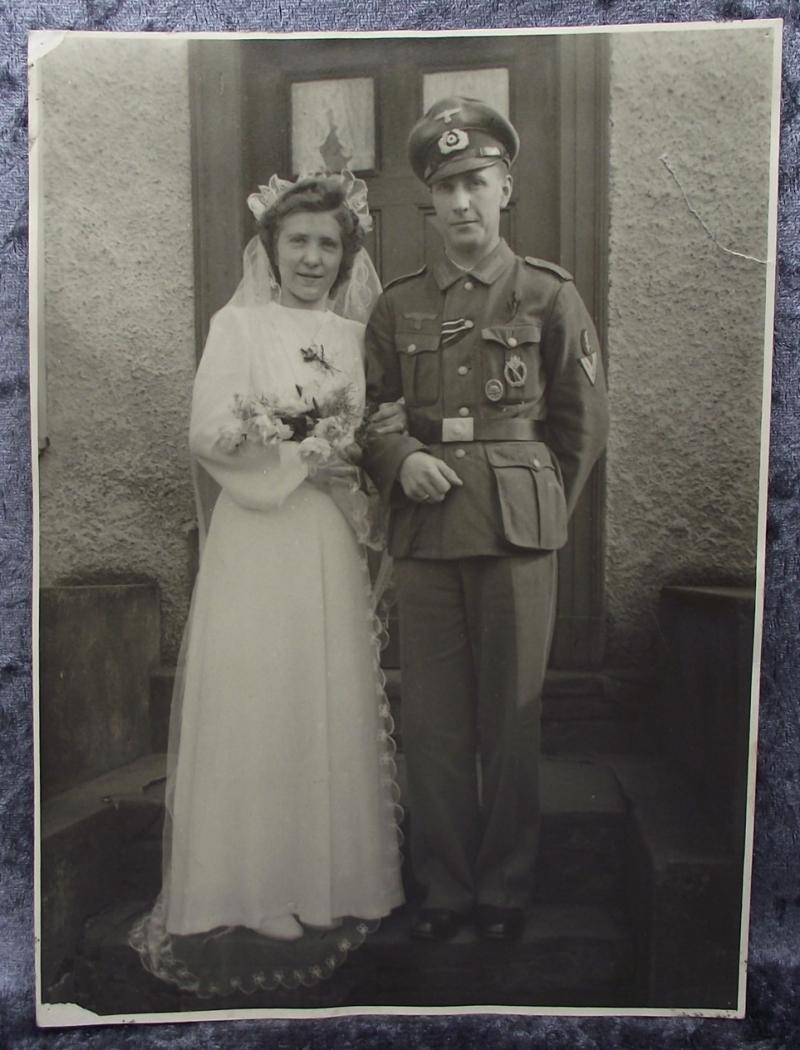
[{"x": 647, "y": 178}]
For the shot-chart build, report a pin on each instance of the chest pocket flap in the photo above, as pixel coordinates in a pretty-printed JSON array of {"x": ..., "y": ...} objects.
[
  {"x": 411, "y": 342},
  {"x": 512, "y": 336}
]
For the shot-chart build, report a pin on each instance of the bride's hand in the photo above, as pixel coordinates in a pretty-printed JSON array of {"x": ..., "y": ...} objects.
[{"x": 390, "y": 418}]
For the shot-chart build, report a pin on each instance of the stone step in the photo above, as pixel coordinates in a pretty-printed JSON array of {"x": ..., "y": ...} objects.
[
  {"x": 597, "y": 712},
  {"x": 703, "y": 708},
  {"x": 588, "y": 713},
  {"x": 566, "y": 957},
  {"x": 685, "y": 885},
  {"x": 102, "y": 844},
  {"x": 583, "y": 836},
  {"x": 626, "y": 834}
]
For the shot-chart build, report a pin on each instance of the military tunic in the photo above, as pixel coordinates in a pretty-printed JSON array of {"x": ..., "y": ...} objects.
[
  {"x": 502, "y": 378},
  {"x": 517, "y": 494}
]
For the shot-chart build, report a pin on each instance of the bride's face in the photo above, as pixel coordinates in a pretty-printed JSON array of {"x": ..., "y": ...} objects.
[{"x": 309, "y": 251}]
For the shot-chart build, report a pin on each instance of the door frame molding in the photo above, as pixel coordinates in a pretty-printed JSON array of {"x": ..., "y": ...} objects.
[
  {"x": 584, "y": 115},
  {"x": 218, "y": 192}
]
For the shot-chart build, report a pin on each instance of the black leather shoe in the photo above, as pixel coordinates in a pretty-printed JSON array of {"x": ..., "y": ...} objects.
[
  {"x": 436, "y": 924},
  {"x": 498, "y": 924}
]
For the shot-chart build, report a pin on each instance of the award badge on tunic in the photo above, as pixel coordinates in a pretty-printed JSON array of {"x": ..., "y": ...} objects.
[
  {"x": 494, "y": 389},
  {"x": 589, "y": 359},
  {"x": 453, "y": 330},
  {"x": 515, "y": 370}
]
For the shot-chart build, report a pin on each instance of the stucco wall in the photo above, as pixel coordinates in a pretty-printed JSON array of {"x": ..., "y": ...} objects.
[
  {"x": 115, "y": 490},
  {"x": 686, "y": 318},
  {"x": 685, "y": 335}
]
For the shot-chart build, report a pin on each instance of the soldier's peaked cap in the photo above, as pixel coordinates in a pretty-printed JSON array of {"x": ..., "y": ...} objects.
[{"x": 460, "y": 134}]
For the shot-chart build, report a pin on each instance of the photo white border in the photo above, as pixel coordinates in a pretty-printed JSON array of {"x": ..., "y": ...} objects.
[{"x": 40, "y": 43}]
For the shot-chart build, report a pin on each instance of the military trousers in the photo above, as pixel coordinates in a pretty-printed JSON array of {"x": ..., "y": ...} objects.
[{"x": 475, "y": 637}]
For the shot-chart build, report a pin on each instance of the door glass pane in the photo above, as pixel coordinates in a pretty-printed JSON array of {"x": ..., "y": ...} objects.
[
  {"x": 489, "y": 85},
  {"x": 333, "y": 125}
]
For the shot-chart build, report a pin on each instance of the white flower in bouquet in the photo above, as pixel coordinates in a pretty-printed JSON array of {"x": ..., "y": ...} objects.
[
  {"x": 315, "y": 449},
  {"x": 269, "y": 430},
  {"x": 230, "y": 437},
  {"x": 321, "y": 426},
  {"x": 336, "y": 430}
]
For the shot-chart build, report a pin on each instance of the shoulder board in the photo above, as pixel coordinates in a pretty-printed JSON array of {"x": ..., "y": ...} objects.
[
  {"x": 404, "y": 277},
  {"x": 543, "y": 264}
]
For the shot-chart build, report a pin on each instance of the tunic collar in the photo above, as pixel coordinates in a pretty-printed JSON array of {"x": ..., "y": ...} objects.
[{"x": 487, "y": 270}]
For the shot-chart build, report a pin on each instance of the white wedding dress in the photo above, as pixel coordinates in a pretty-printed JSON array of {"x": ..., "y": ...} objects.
[{"x": 281, "y": 797}]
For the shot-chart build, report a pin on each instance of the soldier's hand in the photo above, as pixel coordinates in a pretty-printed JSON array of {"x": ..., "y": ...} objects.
[
  {"x": 426, "y": 479},
  {"x": 390, "y": 418}
]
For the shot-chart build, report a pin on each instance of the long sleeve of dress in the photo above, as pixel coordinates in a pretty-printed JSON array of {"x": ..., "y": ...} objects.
[{"x": 256, "y": 477}]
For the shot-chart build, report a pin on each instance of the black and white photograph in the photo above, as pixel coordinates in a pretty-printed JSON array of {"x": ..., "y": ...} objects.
[{"x": 400, "y": 434}]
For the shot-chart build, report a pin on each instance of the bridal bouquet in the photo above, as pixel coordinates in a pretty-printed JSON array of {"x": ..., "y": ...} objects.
[{"x": 323, "y": 426}]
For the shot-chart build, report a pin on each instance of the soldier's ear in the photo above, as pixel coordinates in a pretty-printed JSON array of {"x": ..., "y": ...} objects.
[{"x": 508, "y": 186}]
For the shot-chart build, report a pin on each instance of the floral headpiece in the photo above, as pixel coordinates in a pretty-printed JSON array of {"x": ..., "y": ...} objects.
[{"x": 355, "y": 195}]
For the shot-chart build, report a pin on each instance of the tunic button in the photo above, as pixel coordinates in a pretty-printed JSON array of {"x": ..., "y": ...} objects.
[
  {"x": 536, "y": 463},
  {"x": 468, "y": 286},
  {"x": 469, "y": 324},
  {"x": 463, "y": 411},
  {"x": 412, "y": 347},
  {"x": 460, "y": 453},
  {"x": 463, "y": 370},
  {"x": 512, "y": 342}
]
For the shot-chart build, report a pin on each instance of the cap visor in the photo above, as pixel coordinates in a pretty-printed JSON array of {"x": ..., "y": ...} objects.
[{"x": 458, "y": 165}]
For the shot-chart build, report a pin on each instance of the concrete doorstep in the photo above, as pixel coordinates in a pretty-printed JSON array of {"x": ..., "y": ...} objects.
[
  {"x": 636, "y": 903},
  {"x": 570, "y": 956},
  {"x": 576, "y": 947}
]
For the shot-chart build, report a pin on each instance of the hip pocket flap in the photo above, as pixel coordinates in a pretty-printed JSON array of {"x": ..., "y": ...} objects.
[
  {"x": 531, "y": 500},
  {"x": 519, "y": 454}
]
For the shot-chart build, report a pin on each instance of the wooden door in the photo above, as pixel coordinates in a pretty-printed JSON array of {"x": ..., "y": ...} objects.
[{"x": 245, "y": 100}]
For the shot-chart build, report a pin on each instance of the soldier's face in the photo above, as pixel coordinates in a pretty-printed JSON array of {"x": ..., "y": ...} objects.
[
  {"x": 468, "y": 209},
  {"x": 309, "y": 250}
]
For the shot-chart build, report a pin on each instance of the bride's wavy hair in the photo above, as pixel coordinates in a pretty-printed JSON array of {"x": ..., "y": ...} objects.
[{"x": 315, "y": 193}]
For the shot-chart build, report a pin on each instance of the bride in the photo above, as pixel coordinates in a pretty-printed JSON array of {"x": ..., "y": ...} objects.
[{"x": 281, "y": 842}]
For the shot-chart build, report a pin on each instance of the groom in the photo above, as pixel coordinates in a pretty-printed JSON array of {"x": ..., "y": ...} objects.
[{"x": 500, "y": 368}]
